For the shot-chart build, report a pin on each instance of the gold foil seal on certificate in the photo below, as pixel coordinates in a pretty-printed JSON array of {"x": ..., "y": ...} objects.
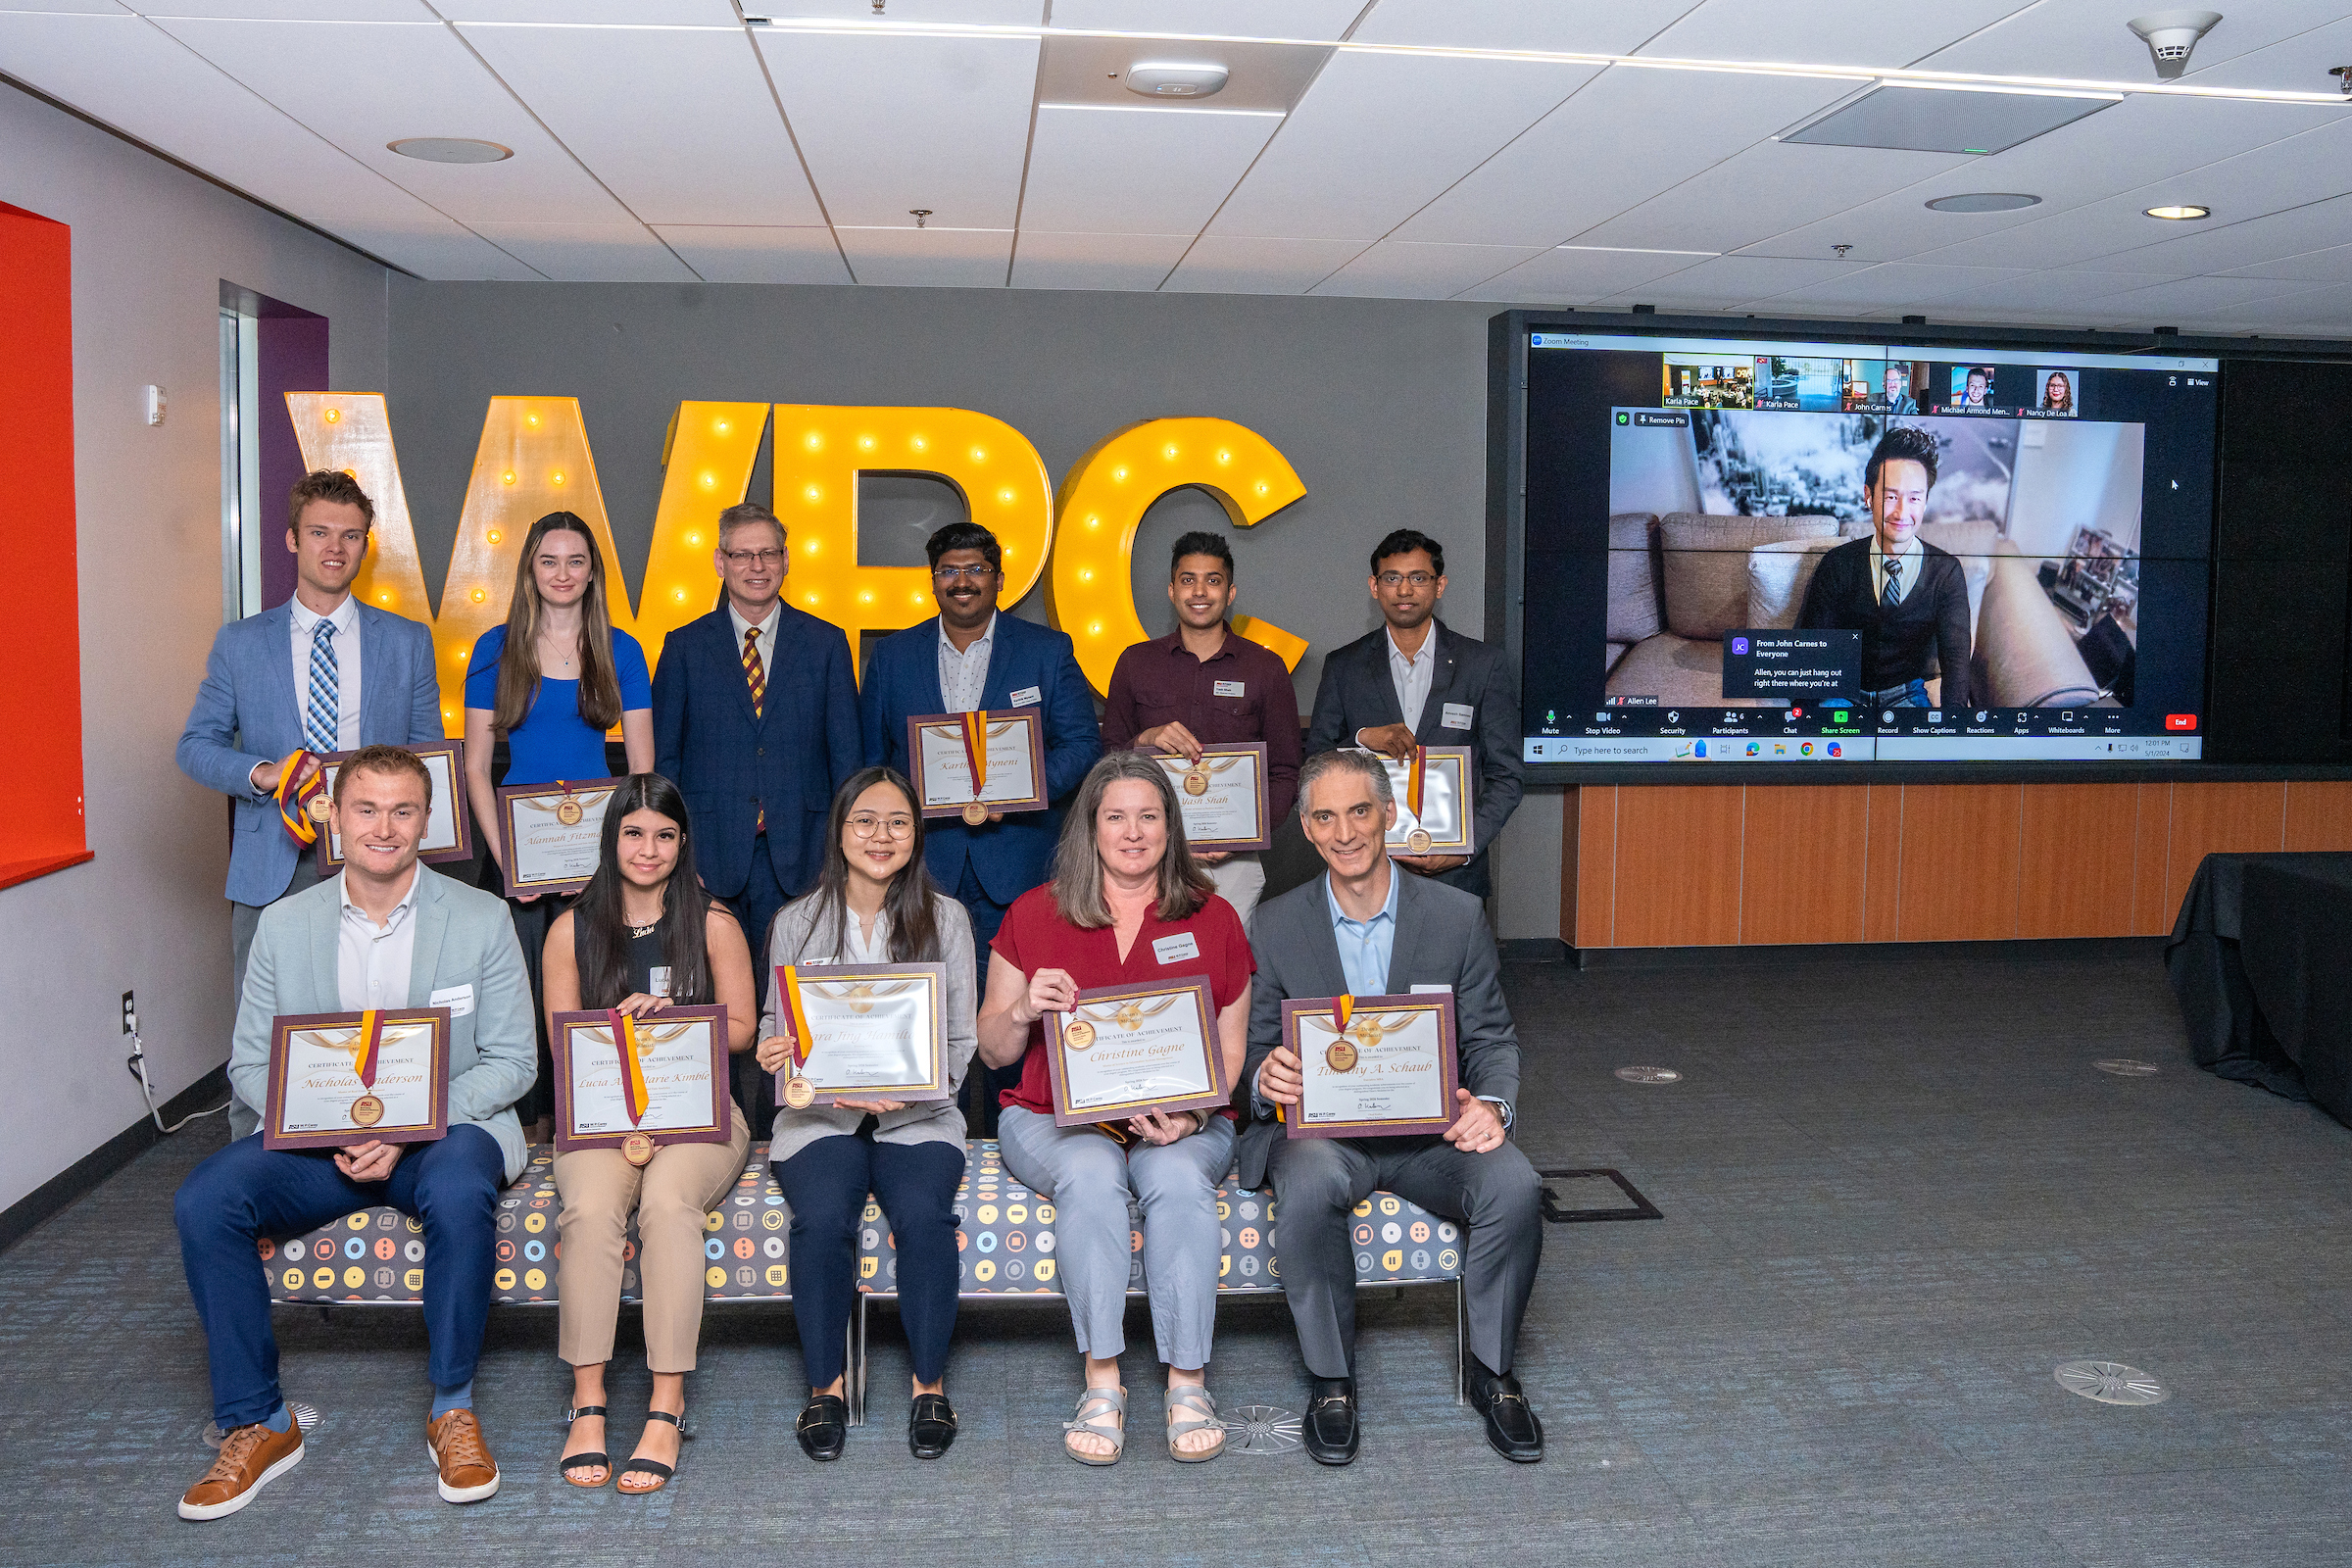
[
  {"x": 1418, "y": 840},
  {"x": 637, "y": 1148},
  {"x": 1341, "y": 1056},
  {"x": 366, "y": 1111},
  {"x": 1077, "y": 1033},
  {"x": 568, "y": 811},
  {"x": 798, "y": 1093},
  {"x": 1196, "y": 781},
  {"x": 974, "y": 814}
]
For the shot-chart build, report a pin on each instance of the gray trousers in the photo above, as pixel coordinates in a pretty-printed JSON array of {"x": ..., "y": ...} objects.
[
  {"x": 246, "y": 918},
  {"x": 1496, "y": 1196},
  {"x": 1089, "y": 1178}
]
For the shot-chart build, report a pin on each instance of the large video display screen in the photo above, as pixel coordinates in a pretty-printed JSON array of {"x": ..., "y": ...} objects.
[{"x": 1741, "y": 551}]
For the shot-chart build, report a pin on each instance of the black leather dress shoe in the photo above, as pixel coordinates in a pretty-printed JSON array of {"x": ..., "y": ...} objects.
[
  {"x": 1511, "y": 1426},
  {"x": 1330, "y": 1428},
  {"x": 930, "y": 1425},
  {"x": 823, "y": 1427}
]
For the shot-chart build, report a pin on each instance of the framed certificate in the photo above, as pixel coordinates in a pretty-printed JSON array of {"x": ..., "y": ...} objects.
[
  {"x": 1131, "y": 1049},
  {"x": 339, "y": 1078},
  {"x": 636, "y": 1084},
  {"x": 1010, "y": 743},
  {"x": 874, "y": 1031},
  {"x": 554, "y": 832},
  {"x": 448, "y": 833},
  {"x": 1381, "y": 1068},
  {"x": 1443, "y": 817},
  {"x": 1223, "y": 796}
]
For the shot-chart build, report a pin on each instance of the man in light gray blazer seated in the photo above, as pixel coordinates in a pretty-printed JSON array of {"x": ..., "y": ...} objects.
[
  {"x": 1366, "y": 929},
  {"x": 387, "y": 933}
]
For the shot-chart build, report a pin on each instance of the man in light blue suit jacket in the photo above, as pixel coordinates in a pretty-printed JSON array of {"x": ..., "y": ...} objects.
[
  {"x": 321, "y": 671},
  {"x": 968, "y": 658}
]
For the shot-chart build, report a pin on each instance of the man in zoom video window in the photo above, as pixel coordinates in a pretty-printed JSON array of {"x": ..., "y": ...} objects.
[{"x": 1908, "y": 599}]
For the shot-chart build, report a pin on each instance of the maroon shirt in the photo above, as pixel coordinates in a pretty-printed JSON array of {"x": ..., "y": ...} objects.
[{"x": 1160, "y": 682}]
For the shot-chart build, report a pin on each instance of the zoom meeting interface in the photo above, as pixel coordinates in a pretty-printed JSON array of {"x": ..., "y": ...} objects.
[{"x": 1783, "y": 552}]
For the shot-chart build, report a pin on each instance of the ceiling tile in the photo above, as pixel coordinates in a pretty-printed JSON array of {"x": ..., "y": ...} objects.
[
  {"x": 1259, "y": 76},
  {"x": 595, "y": 12},
  {"x": 89, "y": 8},
  {"x": 1890, "y": 287},
  {"x": 1571, "y": 171},
  {"x": 321, "y": 11},
  {"x": 1231, "y": 19},
  {"x": 1725, "y": 281},
  {"x": 907, "y": 12},
  {"x": 444, "y": 252},
  {"x": 2330, "y": 265},
  {"x": 741, "y": 254},
  {"x": 1220, "y": 265},
  {"x": 1380, "y": 135},
  {"x": 2165, "y": 304},
  {"x": 1771, "y": 187},
  {"x": 1832, "y": 33},
  {"x": 2259, "y": 247},
  {"x": 889, "y": 124},
  {"x": 1128, "y": 262},
  {"x": 679, "y": 125},
  {"x": 1609, "y": 30},
  {"x": 2319, "y": 313},
  {"x": 1139, "y": 170},
  {"x": 590, "y": 252},
  {"x": 928, "y": 258},
  {"x": 1397, "y": 270},
  {"x": 2047, "y": 291},
  {"x": 2298, "y": 63},
  {"x": 1577, "y": 276},
  {"x": 2053, "y": 40}
]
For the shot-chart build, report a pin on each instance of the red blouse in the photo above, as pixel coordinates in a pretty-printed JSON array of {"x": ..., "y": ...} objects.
[{"x": 1033, "y": 937}]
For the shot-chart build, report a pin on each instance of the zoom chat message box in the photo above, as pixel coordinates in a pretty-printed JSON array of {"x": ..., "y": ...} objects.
[{"x": 1794, "y": 667}]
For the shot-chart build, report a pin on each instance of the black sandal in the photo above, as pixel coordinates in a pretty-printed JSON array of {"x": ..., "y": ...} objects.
[
  {"x": 823, "y": 1427},
  {"x": 652, "y": 1467},
  {"x": 598, "y": 1460},
  {"x": 930, "y": 1425}
]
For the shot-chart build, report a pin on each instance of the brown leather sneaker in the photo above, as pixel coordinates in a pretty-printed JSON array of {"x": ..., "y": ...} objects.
[
  {"x": 251, "y": 1457},
  {"x": 468, "y": 1472}
]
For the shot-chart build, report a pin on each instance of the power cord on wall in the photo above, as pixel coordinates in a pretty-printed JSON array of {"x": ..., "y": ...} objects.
[{"x": 136, "y": 1062}]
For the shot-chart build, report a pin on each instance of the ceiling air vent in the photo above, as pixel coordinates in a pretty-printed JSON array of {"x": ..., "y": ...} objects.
[{"x": 1948, "y": 120}]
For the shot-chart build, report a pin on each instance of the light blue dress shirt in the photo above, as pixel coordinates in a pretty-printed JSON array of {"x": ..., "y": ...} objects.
[{"x": 1365, "y": 946}]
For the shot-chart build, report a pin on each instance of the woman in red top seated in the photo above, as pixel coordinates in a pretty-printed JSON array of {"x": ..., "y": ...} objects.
[{"x": 1127, "y": 904}]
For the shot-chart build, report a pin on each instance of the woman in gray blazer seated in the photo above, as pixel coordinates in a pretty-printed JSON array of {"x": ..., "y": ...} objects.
[{"x": 873, "y": 903}]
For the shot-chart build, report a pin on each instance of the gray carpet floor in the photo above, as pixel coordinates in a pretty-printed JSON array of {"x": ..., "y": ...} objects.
[{"x": 1896, "y": 1193}]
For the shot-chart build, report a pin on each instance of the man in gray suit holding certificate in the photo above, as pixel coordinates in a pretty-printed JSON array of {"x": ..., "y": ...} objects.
[{"x": 1366, "y": 930}]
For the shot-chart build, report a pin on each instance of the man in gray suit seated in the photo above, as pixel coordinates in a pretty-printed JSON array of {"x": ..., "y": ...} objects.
[
  {"x": 1366, "y": 929},
  {"x": 386, "y": 933}
]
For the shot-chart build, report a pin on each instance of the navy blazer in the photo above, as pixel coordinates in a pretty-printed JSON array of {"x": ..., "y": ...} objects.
[
  {"x": 247, "y": 713},
  {"x": 791, "y": 759},
  {"x": 901, "y": 681}
]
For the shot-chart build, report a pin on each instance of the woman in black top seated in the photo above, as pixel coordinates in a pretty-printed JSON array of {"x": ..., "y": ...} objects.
[{"x": 643, "y": 935}]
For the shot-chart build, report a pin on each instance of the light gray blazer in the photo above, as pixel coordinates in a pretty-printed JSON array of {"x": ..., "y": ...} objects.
[
  {"x": 791, "y": 941},
  {"x": 465, "y": 937}
]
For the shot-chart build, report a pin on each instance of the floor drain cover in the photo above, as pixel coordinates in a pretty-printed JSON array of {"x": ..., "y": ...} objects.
[
  {"x": 305, "y": 1416},
  {"x": 2126, "y": 1067},
  {"x": 1261, "y": 1429},
  {"x": 2111, "y": 1383},
  {"x": 1649, "y": 1075}
]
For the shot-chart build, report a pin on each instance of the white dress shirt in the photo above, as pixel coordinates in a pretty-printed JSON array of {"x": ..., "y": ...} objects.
[
  {"x": 767, "y": 637},
  {"x": 371, "y": 961},
  {"x": 964, "y": 677},
  {"x": 346, "y": 621},
  {"x": 1910, "y": 556},
  {"x": 1411, "y": 673}
]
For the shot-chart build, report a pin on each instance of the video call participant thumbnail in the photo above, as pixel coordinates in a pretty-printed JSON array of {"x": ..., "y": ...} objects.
[
  {"x": 1971, "y": 387},
  {"x": 1908, "y": 599}
]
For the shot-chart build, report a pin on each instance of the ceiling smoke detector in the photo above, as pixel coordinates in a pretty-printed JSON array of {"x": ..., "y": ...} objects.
[
  {"x": 1166, "y": 79},
  {"x": 451, "y": 150},
  {"x": 2169, "y": 37}
]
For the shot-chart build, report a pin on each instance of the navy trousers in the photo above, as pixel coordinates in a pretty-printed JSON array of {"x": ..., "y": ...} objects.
[
  {"x": 755, "y": 909},
  {"x": 245, "y": 1193},
  {"x": 982, "y": 1084},
  {"x": 826, "y": 1184}
]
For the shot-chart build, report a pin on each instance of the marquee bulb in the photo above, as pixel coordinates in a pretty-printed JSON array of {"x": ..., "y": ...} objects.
[
  {"x": 333, "y": 414},
  {"x": 494, "y": 536},
  {"x": 557, "y": 477},
  {"x": 509, "y": 476},
  {"x": 479, "y": 596}
]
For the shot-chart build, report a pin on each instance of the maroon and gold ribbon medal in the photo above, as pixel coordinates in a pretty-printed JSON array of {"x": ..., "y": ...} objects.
[
  {"x": 976, "y": 752},
  {"x": 301, "y": 796},
  {"x": 368, "y": 1110},
  {"x": 1342, "y": 1055},
  {"x": 1418, "y": 840},
  {"x": 568, "y": 810},
  {"x": 798, "y": 1093},
  {"x": 637, "y": 1147}
]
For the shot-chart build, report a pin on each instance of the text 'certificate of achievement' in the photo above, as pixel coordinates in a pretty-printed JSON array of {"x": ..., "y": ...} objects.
[
  {"x": 970, "y": 764},
  {"x": 343, "y": 1078},
  {"x": 1434, "y": 812},
  {"x": 1223, "y": 796},
  {"x": 637, "y": 1083},
  {"x": 1372, "y": 1066},
  {"x": 448, "y": 832},
  {"x": 554, "y": 832},
  {"x": 1131, "y": 1049},
  {"x": 864, "y": 1031}
]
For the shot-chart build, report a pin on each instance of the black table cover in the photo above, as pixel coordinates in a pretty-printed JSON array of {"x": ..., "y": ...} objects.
[{"x": 2261, "y": 960}]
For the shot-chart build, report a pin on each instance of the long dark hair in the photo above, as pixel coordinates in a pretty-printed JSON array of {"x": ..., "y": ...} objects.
[
  {"x": 914, "y": 927},
  {"x": 600, "y": 922},
  {"x": 518, "y": 664}
]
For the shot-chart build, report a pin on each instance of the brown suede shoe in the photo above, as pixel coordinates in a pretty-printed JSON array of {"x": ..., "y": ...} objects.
[
  {"x": 251, "y": 1457},
  {"x": 468, "y": 1472}
]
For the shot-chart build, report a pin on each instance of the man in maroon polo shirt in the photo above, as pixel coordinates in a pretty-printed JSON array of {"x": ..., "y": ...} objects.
[{"x": 1205, "y": 685}]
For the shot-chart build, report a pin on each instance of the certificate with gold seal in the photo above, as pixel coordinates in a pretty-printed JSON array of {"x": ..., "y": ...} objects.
[
  {"x": 1437, "y": 812},
  {"x": 637, "y": 1083},
  {"x": 448, "y": 830},
  {"x": 1126, "y": 1049},
  {"x": 342, "y": 1078},
  {"x": 554, "y": 832},
  {"x": 864, "y": 1031},
  {"x": 973, "y": 764},
  {"x": 1372, "y": 1066},
  {"x": 1222, "y": 796}
]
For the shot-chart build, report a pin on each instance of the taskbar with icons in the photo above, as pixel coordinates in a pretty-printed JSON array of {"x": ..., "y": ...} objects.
[{"x": 1864, "y": 749}]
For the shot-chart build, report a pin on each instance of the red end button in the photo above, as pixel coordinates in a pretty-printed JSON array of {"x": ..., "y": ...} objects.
[{"x": 2179, "y": 721}]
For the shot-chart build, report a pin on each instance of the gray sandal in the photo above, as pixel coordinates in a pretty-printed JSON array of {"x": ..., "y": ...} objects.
[
  {"x": 1200, "y": 1416},
  {"x": 1101, "y": 1413}
]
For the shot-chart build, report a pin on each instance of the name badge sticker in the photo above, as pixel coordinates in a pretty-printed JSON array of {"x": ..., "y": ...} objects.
[
  {"x": 1229, "y": 688},
  {"x": 658, "y": 980},
  {"x": 1176, "y": 948},
  {"x": 459, "y": 1000},
  {"x": 1434, "y": 991},
  {"x": 1027, "y": 697},
  {"x": 1457, "y": 716}
]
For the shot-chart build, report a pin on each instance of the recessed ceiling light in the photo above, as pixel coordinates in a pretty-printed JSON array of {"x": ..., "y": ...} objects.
[
  {"x": 1984, "y": 201},
  {"x": 451, "y": 150},
  {"x": 2180, "y": 212}
]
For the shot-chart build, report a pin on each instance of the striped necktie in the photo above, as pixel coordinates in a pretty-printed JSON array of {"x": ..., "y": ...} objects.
[
  {"x": 757, "y": 675},
  {"x": 1894, "y": 583},
  {"x": 322, "y": 719}
]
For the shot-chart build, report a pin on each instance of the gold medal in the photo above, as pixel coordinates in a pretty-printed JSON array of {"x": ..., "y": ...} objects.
[
  {"x": 319, "y": 805},
  {"x": 1418, "y": 840},
  {"x": 637, "y": 1148},
  {"x": 366, "y": 1111},
  {"x": 1195, "y": 782},
  {"x": 974, "y": 814},
  {"x": 798, "y": 1093},
  {"x": 568, "y": 812},
  {"x": 1341, "y": 1056},
  {"x": 1077, "y": 1033}
]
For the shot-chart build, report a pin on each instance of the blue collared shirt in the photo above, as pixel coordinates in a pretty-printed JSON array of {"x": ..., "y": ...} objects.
[{"x": 1365, "y": 946}]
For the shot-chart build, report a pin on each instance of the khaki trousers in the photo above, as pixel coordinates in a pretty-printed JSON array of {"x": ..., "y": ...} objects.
[{"x": 671, "y": 1194}]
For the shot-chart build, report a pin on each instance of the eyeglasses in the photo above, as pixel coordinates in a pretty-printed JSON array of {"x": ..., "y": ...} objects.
[
  {"x": 755, "y": 557},
  {"x": 948, "y": 574},
  {"x": 891, "y": 827},
  {"x": 1397, "y": 579}
]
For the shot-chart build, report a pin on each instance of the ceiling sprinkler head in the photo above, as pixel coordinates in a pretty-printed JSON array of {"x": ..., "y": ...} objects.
[
  {"x": 1841, "y": 250},
  {"x": 2343, "y": 78},
  {"x": 2170, "y": 34},
  {"x": 920, "y": 215}
]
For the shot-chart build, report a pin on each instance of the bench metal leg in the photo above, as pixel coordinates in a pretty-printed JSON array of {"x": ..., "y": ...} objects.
[
  {"x": 1462, "y": 1341},
  {"x": 857, "y": 1368}
]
